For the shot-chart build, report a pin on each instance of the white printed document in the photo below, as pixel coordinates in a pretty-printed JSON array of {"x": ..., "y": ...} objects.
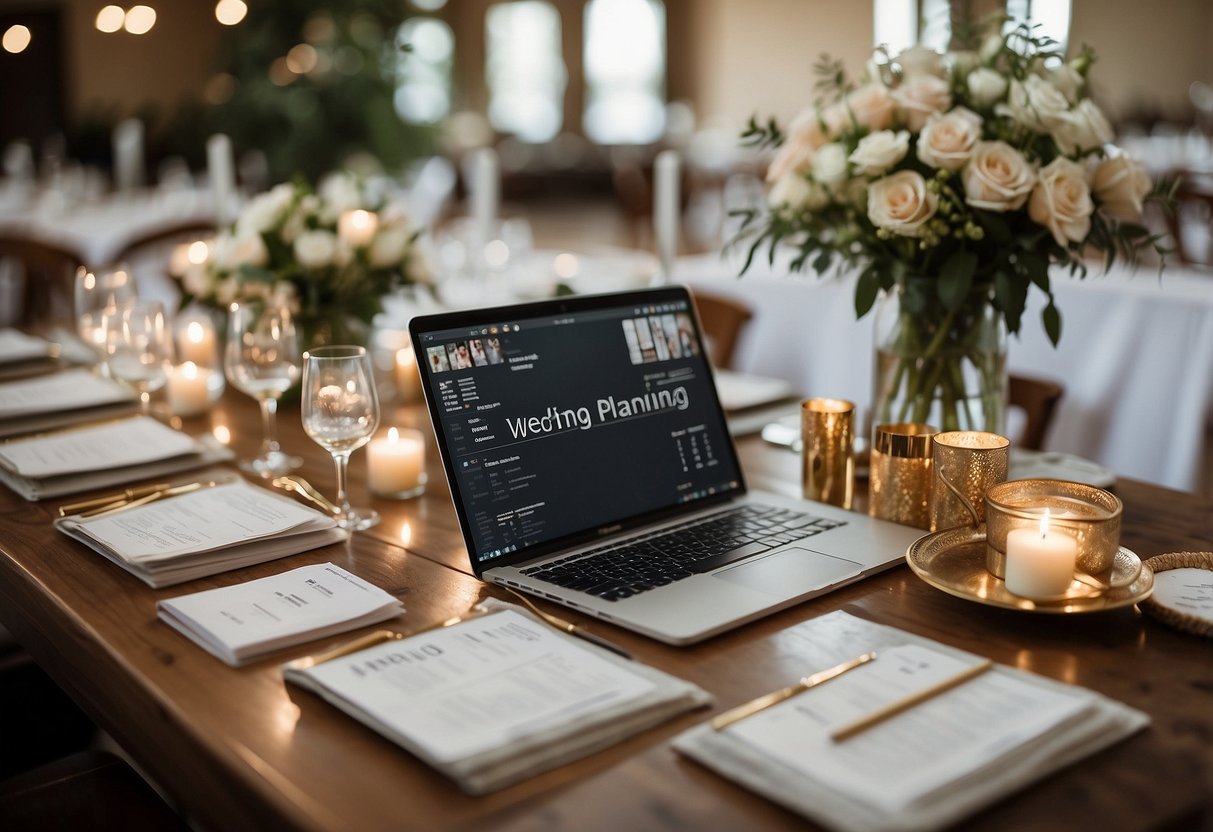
[
  {"x": 16, "y": 346},
  {"x": 59, "y": 399},
  {"x": 927, "y": 766},
  {"x": 211, "y": 529},
  {"x": 246, "y": 621},
  {"x": 114, "y": 444},
  {"x": 497, "y": 697}
]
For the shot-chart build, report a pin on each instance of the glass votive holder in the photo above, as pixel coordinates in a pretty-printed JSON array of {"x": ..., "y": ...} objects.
[
  {"x": 827, "y": 429},
  {"x": 964, "y": 464},
  {"x": 196, "y": 347},
  {"x": 188, "y": 388},
  {"x": 899, "y": 473},
  {"x": 1089, "y": 515},
  {"x": 396, "y": 464}
]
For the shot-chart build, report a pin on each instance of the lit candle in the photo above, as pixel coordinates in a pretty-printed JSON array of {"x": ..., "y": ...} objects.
[
  {"x": 197, "y": 343},
  {"x": 189, "y": 389},
  {"x": 1040, "y": 564},
  {"x": 408, "y": 379},
  {"x": 357, "y": 228},
  {"x": 396, "y": 465}
]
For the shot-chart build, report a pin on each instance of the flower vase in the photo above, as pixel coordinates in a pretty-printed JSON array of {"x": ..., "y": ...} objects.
[{"x": 945, "y": 368}]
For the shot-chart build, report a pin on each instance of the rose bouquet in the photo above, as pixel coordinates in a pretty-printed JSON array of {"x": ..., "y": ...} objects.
[
  {"x": 330, "y": 253},
  {"x": 951, "y": 182}
]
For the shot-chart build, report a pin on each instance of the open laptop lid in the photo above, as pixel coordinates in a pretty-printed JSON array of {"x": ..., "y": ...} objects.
[{"x": 564, "y": 421}]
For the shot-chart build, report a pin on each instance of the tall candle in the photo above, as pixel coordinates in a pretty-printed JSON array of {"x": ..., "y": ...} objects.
[
  {"x": 128, "y": 155},
  {"x": 1040, "y": 564},
  {"x": 188, "y": 389},
  {"x": 197, "y": 343},
  {"x": 666, "y": 209},
  {"x": 396, "y": 464},
  {"x": 485, "y": 189},
  {"x": 408, "y": 379},
  {"x": 221, "y": 170},
  {"x": 357, "y": 228}
]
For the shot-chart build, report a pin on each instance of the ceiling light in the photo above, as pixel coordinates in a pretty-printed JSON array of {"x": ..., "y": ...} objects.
[
  {"x": 16, "y": 38},
  {"x": 140, "y": 20},
  {"x": 230, "y": 12},
  {"x": 110, "y": 19}
]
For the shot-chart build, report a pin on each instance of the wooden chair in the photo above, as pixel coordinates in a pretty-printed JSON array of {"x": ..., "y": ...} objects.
[
  {"x": 149, "y": 257},
  {"x": 1038, "y": 399},
  {"x": 47, "y": 272},
  {"x": 723, "y": 319},
  {"x": 1191, "y": 222}
]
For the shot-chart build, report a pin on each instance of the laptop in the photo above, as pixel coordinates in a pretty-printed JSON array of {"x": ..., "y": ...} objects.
[{"x": 589, "y": 462}]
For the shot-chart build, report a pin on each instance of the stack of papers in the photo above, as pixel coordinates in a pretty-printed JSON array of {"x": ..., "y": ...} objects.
[
  {"x": 929, "y": 765},
  {"x": 102, "y": 455},
  {"x": 497, "y": 697},
  {"x": 245, "y": 622},
  {"x": 66, "y": 398},
  {"x": 210, "y": 529},
  {"x": 23, "y": 355}
]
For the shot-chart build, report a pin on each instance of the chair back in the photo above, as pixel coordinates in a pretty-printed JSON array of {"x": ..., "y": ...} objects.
[
  {"x": 44, "y": 274},
  {"x": 723, "y": 320},
  {"x": 1038, "y": 400}
]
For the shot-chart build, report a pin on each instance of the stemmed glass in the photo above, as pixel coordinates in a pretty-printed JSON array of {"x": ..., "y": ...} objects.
[
  {"x": 261, "y": 360},
  {"x": 138, "y": 348},
  {"x": 96, "y": 294},
  {"x": 340, "y": 412}
]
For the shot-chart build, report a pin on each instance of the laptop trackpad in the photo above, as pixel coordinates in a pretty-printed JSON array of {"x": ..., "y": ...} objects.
[{"x": 790, "y": 572}]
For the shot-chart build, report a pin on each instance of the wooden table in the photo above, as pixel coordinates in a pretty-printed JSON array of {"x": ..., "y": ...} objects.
[{"x": 235, "y": 749}]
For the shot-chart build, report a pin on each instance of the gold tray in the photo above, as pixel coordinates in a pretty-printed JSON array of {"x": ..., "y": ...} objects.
[{"x": 954, "y": 560}]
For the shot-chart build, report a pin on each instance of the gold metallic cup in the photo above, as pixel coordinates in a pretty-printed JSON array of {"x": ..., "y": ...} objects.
[
  {"x": 1088, "y": 514},
  {"x": 965, "y": 463},
  {"x": 899, "y": 474},
  {"x": 827, "y": 431}
]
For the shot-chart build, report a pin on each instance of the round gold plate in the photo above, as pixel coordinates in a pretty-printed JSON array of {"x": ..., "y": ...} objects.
[{"x": 954, "y": 560}]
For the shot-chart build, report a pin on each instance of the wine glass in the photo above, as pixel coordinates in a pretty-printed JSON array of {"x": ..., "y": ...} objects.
[
  {"x": 261, "y": 360},
  {"x": 96, "y": 293},
  {"x": 138, "y": 348},
  {"x": 340, "y": 412}
]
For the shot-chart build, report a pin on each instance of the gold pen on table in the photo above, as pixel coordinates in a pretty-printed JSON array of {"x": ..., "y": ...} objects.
[
  {"x": 151, "y": 497},
  {"x": 568, "y": 626},
  {"x": 904, "y": 704},
  {"x": 378, "y": 637},
  {"x": 124, "y": 495},
  {"x": 765, "y": 701}
]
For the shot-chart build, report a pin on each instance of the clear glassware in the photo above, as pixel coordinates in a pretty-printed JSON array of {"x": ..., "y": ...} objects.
[
  {"x": 262, "y": 360},
  {"x": 96, "y": 294},
  {"x": 340, "y": 413},
  {"x": 138, "y": 348}
]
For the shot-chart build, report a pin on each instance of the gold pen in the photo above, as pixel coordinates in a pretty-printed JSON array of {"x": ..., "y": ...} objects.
[
  {"x": 378, "y": 637},
  {"x": 123, "y": 505},
  {"x": 125, "y": 495},
  {"x": 904, "y": 704},
  {"x": 765, "y": 701}
]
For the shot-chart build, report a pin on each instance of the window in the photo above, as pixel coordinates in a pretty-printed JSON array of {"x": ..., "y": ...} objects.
[
  {"x": 1052, "y": 17},
  {"x": 423, "y": 86},
  {"x": 624, "y": 71},
  {"x": 525, "y": 72},
  {"x": 900, "y": 24}
]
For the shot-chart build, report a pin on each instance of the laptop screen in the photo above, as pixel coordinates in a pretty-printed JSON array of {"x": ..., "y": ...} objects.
[{"x": 568, "y": 420}]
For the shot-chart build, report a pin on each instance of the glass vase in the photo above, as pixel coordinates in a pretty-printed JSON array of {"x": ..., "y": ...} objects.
[{"x": 946, "y": 368}]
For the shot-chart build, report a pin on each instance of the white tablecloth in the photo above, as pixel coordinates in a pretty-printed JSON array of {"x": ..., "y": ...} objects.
[{"x": 1136, "y": 356}]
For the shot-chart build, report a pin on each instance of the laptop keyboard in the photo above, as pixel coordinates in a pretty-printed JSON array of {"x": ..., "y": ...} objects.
[{"x": 625, "y": 569}]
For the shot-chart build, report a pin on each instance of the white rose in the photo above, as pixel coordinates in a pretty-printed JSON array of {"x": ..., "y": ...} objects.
[
  {"x": 921, "y": 60},
  {"x": 1035, "y": 103},
  {"x": 315, "y": 248},
  {"x": 1067, "y": 80},
  {"x": 265, "y": 210},
  {"x": 796, "y": 193},
  {"x": 947, "y": 141},
  {"x": 241, "y": 250},
  {"x": 901, "y": 203},
  {"x": 997, "y": 177},
  {"x": 1121, "y": 183},
  {"x": 871, "y": 106},
  {"x": 1061, "y": 201},
  {"x": 877, "y": 152},
  {"x": 388, "y": 247},
  {"x": 919, "y": 97},
  {"x": 339, "y": 192},
  {"x": 1082, "y": 129},
  {"x": 986, "y": 86},
  {"x": 794, "y": 156},
  {"x": 830, "y": 165}
]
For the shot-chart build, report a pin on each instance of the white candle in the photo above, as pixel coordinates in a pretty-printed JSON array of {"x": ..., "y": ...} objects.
[
  {"x": 408, "y": 379},
  {"x": 1040, "y": 564},
  {"x": 486, "y": 186},
  {"x": 666, "y": 209},
  {"x": 357, "y": 228},
  {"x": 396, "y": 465},
  {"x": 197, "y": 343},
  {"x": 189, "y": 389},
  {"x": 222, "y": 172}
]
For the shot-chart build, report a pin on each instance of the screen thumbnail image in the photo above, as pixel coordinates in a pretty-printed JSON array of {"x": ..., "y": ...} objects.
[
  {"x": 686, "y": 335},
  {"x": 438, "y": 359},
  {"x": 476, "y": 348},
  {"x": 673, "y": 342},
  {"x": 659, "y": 342},
  {"x": 629, "y": 335},
  {"x": 647, "y": 349},
  {"x": 492, "y": 349}
]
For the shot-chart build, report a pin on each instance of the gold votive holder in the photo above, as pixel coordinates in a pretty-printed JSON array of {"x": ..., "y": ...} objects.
[
  {"x": 965, "y": 463},
  {"x": 827, "y": 430},
  {"x": 1088, "y": 514},
  {"x": 899, "y": 473}
]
